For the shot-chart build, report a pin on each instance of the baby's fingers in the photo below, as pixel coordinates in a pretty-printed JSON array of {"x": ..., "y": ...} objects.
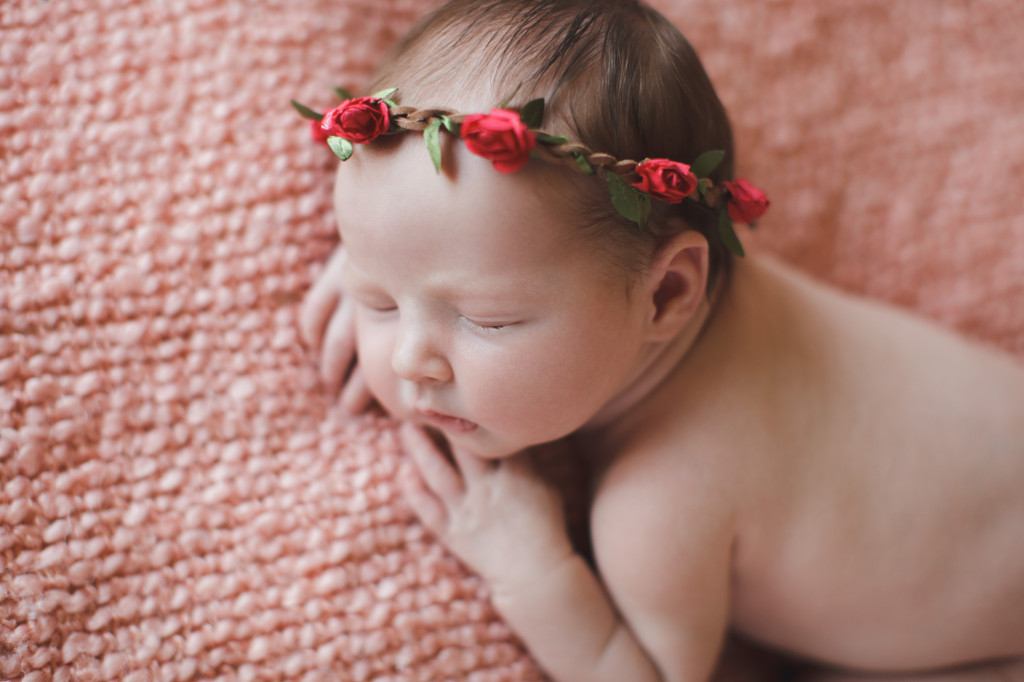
[
  {"x": 321, "y": 300},
  {"x": 437, "y": 472},
  {"x": 316, "y": 310},
  {"x": 339, "y": 347},
  {"x": 472, "y": 467},
  {"x": 424, "y": 503},
  {"x": 356, "y": 396}
]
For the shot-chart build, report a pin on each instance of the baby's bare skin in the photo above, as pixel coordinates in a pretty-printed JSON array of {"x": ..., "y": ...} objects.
[
  {"x": 823, "y": 475},
  {"x": 865, "y": 468}
]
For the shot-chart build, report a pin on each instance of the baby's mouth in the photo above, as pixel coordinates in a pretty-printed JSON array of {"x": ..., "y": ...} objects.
[{"x": 446, "y": 421}]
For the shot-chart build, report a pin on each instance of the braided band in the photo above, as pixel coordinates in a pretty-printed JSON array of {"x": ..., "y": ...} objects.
[{"x": 508, "y": 138}]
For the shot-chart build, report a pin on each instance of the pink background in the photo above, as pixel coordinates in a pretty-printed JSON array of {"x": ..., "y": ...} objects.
[{"x": 179, "y": 499}]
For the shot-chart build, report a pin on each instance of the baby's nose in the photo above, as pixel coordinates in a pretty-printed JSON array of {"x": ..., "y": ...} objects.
[{"x": 416, "y": 357}]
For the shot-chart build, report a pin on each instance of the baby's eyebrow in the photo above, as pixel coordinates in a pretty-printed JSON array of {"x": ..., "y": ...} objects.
[
  {"x": 482, "y": 285},
  {"x": 500, "y": 299}
]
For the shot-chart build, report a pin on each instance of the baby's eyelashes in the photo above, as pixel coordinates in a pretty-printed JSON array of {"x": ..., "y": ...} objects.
[
  {"x": 489, "y": 325},
  {"x": 376, "y": 304},
  {"x": 386, "y": 306}
]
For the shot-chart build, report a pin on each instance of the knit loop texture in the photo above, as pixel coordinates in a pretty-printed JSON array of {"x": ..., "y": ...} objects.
[{"x": 179, "y": 497}]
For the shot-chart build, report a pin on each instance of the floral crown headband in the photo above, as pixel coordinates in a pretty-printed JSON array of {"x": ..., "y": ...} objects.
[{"x": 508, "y": 138}]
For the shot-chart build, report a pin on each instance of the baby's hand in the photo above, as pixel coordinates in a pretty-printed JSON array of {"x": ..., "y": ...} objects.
[
  {"x": 327, "y": 325},
  {"x": 501, "y": 518}
]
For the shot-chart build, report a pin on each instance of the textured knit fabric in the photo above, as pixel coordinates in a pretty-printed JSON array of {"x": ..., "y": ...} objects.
[{"x": 179, "y": 499}]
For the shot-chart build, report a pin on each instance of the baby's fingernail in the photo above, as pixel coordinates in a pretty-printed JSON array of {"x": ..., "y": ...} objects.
[{"x": 409, "y": 432}]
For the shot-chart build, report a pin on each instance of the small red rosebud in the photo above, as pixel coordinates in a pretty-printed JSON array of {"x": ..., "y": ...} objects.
[
  {"x": 361, "y": 120},
  {"x": 317, "y": 132},
  {"x": 746, "y": 203},
  {"x": 501, "y": 137},
  {"x": 667, "y": 180}
]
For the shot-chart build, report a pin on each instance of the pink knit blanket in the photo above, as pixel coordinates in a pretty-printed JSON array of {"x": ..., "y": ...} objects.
[{"x": 178, "y": 497}]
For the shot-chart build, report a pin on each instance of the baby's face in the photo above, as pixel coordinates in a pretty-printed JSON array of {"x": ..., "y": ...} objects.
[{"x": 481, "y": 311}]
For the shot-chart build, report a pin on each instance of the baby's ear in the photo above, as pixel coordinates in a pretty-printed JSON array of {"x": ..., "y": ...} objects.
[{"x": 676, "y": 283}]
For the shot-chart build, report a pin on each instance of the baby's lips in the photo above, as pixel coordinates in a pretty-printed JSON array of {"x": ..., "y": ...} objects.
[{"x": 447, "y": 421}]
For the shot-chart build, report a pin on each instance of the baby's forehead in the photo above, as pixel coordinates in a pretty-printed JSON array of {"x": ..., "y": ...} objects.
[
  {"x": 395, "y": 211},
  {"x": 392, "y": 173}
]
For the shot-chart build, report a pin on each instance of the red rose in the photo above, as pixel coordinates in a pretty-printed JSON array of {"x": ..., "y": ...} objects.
[
  {"x": 746, "y": 202},
  {"x": 666, "y": 180},
  {"x": 501, "y": 137},
  {"x": 362, "y": 119},
  {"x": 317, "y": 132}
]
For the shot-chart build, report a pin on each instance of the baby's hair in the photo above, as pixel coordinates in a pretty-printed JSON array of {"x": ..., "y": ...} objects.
[{"x": 616, "y": 76}]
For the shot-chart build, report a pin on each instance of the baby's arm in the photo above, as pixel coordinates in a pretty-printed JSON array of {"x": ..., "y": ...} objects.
[
  {"x": 665, "y": 544},
  {"x": 327, "y": 325},
  {"x": 507, "y": 524}
]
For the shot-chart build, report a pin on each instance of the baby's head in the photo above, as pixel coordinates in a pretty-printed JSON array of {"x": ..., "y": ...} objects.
[
  {"x": 513, "y": 308},
  {"x": 615, "y": 75}
]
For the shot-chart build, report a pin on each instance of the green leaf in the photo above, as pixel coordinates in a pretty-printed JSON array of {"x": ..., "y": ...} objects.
[
  {"x": 621, "y": 199},
  {"x": 727, "y": 234},
  {"x": 552, "y": 139},
  {"x": 449, "y": 125},
  {"x": 390, "y": 102},
  {"x": 707, "y": 162},
  {"x": 533, "y": 113},
  {"x": 584, "y": 165},
  {"x": 432, "y": 137},
  {"x": 630, "y": 202},
  {"x": 342, "y": 93},
  {"x": 341, "y": 147},
  {"x": 384, "y": 94},
  {"x": 306, "y": 111},
  {"x": 645, "y": 210}
]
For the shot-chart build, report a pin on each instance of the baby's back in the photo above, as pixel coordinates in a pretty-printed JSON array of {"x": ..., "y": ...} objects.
[{"x": 881, "y": 503}]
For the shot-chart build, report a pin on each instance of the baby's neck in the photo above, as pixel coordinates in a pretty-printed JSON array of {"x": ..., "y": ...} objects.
[
  {"x": 750, "y": 325},
  {"x": 660, "y": 361}
]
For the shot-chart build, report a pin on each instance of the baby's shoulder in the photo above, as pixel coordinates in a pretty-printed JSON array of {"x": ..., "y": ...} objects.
[
  {"x": 663, "y": 520},
  {"x": 662, "y": 473}
]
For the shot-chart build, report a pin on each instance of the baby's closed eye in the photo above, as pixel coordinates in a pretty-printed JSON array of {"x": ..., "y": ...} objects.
[
  {"x": 375, "y": 302},
  {"x": 490, "y": 325}
]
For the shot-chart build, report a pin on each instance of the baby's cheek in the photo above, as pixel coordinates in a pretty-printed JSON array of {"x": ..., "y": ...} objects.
[{"x": 374, "y": 351}]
